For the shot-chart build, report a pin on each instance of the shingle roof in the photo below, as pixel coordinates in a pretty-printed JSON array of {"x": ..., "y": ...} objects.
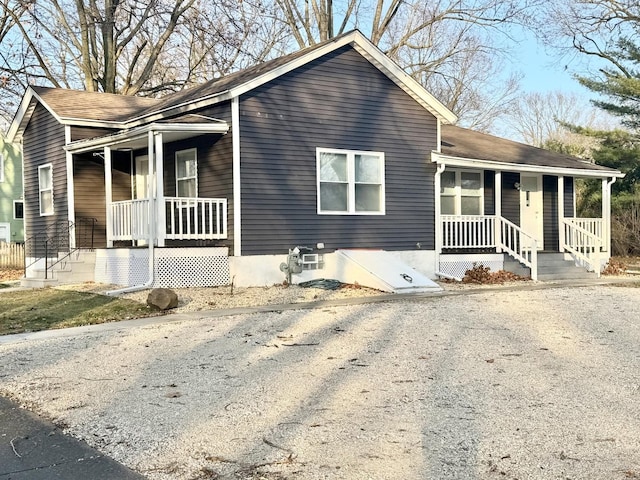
[
  {"x": 92, "y": 105},
  {"x": 465, "y": 143}
]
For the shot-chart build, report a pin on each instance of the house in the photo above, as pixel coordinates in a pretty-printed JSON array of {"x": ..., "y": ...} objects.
[
  {"x": 11, "y": 203},
  {"x": 290, "y": 170}
]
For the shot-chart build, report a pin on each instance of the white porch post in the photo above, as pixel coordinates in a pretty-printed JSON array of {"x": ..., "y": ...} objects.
[
  {"x": 498, "y": 210},
  {"x": 561, "y": 212},
  {"x": 71, "y": 204},
  {"x": 161, "y": 222},
  {"x": 151, "y": 189},
  {"x": 108, "y": 184},
  {"x": 606, "y": 213},
  {"x": 237, "y": 211},
  {"x": 438, "y": 220}
]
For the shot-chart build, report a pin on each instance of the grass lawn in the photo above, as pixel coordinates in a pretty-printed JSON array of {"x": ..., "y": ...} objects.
[{"x": 48, "y": 308}]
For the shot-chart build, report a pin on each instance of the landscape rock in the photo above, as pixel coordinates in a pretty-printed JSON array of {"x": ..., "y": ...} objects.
[{"x": 162, "y": 298}]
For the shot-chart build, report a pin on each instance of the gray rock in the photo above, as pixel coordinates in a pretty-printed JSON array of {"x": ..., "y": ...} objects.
[{"x": 162, "y": 298}]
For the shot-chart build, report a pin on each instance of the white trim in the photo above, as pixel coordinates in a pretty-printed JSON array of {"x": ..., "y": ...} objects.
[
  {"x": 438, "y": 224},
  {"x": 351, "y": 181},
  {"x": 161, "y": 223},
  {"x": 108, "y": 193},
  {"x": 519, "y": 167},
  {"x": 53, "y": 209},
  {"x": 560, "y": 211},
  {"x": 178, "y": 179},
  {"x": 497, "y": 198},
  {"x": 237, "y": 210},
  {"x": 80, "y": 146},
  {"x": 71, "y": 194}
]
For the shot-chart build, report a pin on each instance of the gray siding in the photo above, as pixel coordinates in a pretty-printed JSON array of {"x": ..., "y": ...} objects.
[
  {"x": 339, "y": 101},
  {"x": 550, "y": 212},
  {"x": 510, "y": 197},
  {"x": 568, "y": 197},
  {"x": 81, "y": 133},
  {"x": 43, "y": 143},
  {"x": 489, "y": 192}
]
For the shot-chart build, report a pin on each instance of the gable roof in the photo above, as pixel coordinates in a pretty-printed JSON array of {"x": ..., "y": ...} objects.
[
  {"x": 464, "y": 147},
  {"x": 120, "y": 111}
]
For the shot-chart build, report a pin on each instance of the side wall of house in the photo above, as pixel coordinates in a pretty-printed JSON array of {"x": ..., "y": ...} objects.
[
  {"x": 510, "y": 197},
  {"x": 550, "y": 212},
  {"x": 10, "y": 189},
  {"x": 43, "y": 143},
  {"x": 339, "y": 101}
]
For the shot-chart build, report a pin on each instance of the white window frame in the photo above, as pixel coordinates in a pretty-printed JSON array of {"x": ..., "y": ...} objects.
[
  {"x": 179, "y": 179},
  {"x": 458, "y": 191},
  {"x": 1, "y": 168},
  {"x": 40, "y": 190},
  {"x": 351, "y": 192},
  {"x": 15, "y": 202}
]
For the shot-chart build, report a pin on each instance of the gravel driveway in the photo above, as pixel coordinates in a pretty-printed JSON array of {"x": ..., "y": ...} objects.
[{"x": 539, "y": 384}]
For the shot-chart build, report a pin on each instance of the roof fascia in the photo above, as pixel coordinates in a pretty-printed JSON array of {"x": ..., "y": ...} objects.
[
  {"x": 449, "y": 160},
  {"x": 80, "y": 146},
  {"x": 24, "y": 112}
]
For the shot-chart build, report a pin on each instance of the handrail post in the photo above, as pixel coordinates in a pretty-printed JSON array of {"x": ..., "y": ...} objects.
[{"x": 534, "y": 260}]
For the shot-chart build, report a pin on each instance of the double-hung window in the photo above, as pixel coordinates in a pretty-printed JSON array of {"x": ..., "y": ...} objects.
[
  {"x": 18, "y": 209},
  {"x": 350, "y": 182},
  {"x": 461, "y": 193},
  {"x": 187, "y": 173},
  {"x": 45, "y": 186}
]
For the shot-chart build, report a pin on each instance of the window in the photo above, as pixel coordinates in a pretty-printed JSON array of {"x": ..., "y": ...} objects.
[
  {"x": 1, "y": 168},
  {"x": 186, "y": 173},
  {"x": 350, "y": 182},
  {"x": 18, "y": 209},
  {"x": 45, "y": 182},
  {"x": 461, "y": 193}
]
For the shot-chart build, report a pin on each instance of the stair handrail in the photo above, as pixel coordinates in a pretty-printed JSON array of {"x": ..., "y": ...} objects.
[
  {"x": 57, "y": 238},
  {"x": 584, "y": 245},
  {"x": 517, "y": 243}
]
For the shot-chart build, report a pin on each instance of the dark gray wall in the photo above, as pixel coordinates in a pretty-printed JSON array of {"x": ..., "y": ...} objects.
[
  {"x": 43, "y": 142},
  {"x": 510, "y": 197},
  {"x": 489, "y": 192},
  {"x": 339, "y": 101},
  {"x": 569, "y": 210},
  {"x": 81, "y": 133},
  {"x": 550, "y": 212}
]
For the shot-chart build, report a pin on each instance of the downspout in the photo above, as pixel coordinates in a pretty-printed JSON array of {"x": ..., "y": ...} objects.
[
  {"x": 150, "y": 229},
  {"x": 438, "y": 223},
  {"x": 608, "y": 222}
]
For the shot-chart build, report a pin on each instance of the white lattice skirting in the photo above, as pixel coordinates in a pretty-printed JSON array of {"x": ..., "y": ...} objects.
[
  {"x": 457, "y": 265},
  {"x": 173, "y": 267}
]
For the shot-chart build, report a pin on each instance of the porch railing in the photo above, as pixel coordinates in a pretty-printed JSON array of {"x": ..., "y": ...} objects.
[
  {"x": 490, "y": 231},
  {"x": 583, "y": 243},
  {"x": 186, "y": 219},
  {"x": 468, "y": 231},
  {"x": 196, "y": 218},
  {"x": 519, "y": 244}
]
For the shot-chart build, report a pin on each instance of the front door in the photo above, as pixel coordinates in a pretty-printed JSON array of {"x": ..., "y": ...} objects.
[
  {"x": 141, "y": 184},
  {"x": 531, "y": 219}
]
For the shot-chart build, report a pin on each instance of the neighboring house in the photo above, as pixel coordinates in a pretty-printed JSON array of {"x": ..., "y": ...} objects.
[
  {"x": 332, "y": 148},
  {"x": 11, "y": 202}
]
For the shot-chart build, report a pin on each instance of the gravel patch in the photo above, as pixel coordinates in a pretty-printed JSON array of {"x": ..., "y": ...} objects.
[{"x": 534, "y": 384}]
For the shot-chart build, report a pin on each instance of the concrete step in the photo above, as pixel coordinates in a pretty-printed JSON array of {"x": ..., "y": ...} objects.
[
  {"x": 38, "y": 282},
  {"x": 551, "y": 266},
  {"x": 76, "y": 268}
]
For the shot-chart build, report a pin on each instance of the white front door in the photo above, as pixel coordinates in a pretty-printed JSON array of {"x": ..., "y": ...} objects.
[
  {"x": 531, "y": 219},
  {"x": 141, "y": 184},
  {"x": 5, "y": 232}
]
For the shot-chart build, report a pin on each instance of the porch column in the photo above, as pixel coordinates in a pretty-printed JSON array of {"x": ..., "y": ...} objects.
[
  {"x": 561, "y": 212},
  {"x": 161, "y": 216},
  {"x": 108, "y": 193},
  {"x": 606, "y": 214},
  {"x": 71, "y": 203},
  {"x": 498, "y": 209},
  {"x": 437, "y": 211},
  {"x": 151, "y": 189}
]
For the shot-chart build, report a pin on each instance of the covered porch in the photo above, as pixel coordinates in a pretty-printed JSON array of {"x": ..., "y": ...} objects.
[
  {"x": 520, "y": 213},
  {"x": 153, "y": 190}
]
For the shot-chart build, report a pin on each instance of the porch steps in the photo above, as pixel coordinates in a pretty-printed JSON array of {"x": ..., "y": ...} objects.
[
  {"x": 551, "y": 266},
  {"x": 77, "y": 268}
]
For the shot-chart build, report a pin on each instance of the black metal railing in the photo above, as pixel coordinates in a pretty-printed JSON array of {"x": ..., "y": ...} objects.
[{"x": 53, "y": 244}]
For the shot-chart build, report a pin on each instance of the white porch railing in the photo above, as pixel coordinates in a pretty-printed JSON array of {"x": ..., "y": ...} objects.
[
  {"x": 595, "y": 226},
  {"x": 468, "y": 231},
  {"x": 519, "y": 244},
  {"x": 130, "y": 220},
  {"x": 196, "y": 218},
  {"x": 479, "y": 231},
  {"x": 583, "y": 243},
  {"x": 186, "y": 219}
]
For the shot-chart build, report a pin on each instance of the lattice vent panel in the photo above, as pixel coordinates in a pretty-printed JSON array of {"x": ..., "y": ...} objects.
[
  {"x": 122, "y": 269},
  {"x": 458, "y": 267},
  {"x": 191, "y": 271}
]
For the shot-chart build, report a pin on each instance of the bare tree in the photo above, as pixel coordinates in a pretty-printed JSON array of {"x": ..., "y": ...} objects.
[{"x": 449, "y": 46}]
